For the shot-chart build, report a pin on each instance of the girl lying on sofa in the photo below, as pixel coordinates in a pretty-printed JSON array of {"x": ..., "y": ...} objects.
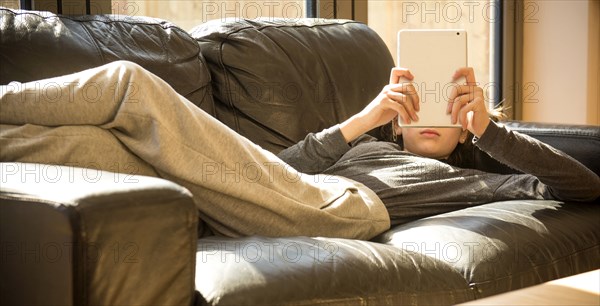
[{"x": 336, "y": 183}]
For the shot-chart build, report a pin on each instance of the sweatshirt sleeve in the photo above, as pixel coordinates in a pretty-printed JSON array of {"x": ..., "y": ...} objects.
[
  {"x": 317, "y": 152},
  {"x": 564, "y": 177}
]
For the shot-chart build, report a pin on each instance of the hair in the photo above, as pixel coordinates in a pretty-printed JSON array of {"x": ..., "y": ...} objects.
[{"x": 463, "y": 155}]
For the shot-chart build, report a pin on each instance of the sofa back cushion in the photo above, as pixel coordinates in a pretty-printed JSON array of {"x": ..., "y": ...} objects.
[
  {"x": 276, "y": 80},
  {"x": 37, "y": 45}
]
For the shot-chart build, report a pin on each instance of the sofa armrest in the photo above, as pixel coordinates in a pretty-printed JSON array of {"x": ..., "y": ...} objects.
[{"x": 78, "y": 236}]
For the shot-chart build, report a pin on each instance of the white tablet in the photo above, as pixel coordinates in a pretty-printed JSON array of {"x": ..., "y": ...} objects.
[{"x": 432, "y": 56}]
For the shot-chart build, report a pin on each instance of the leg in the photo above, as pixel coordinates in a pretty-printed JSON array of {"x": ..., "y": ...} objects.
[
  {"x": 78, "y": 146},
  {"x": 239, "y": 188}
]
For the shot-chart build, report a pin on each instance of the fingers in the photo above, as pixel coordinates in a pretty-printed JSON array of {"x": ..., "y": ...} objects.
[
  {"x": 465, "y": 93},
  {"x": 398, "y": 73},
  {"x": 404, "y": 100},
  {"x": 468, "y": 73},
  {"x": 456, "y": 106},
  {"x": 399, "y": 108},
  {"x": 471, "y": 90},
  {"x": 463, "y": 99},
  {"x": 462, "y": 114},
  {"x": 473, "y": 116},
  {"x": 410, "y": 90},
  {"x": 477, "y": 109}
]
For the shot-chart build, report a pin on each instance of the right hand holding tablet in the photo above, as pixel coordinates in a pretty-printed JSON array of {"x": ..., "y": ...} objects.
[
  {"x": 402, "y": 95},
  {"x": 395, "y": 99}
]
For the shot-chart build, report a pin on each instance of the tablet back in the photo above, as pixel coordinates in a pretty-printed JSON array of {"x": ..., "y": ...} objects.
[{"x": 432, "y": 56}]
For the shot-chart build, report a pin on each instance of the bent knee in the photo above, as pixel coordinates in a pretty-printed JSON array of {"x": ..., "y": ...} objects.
[
  {"x": 127, "y": 77},
  {"x": 126, "y": 65},
  {"x": 126, "y": 69}
]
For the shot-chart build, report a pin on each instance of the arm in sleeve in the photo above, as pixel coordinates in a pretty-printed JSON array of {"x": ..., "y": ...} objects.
[
  {"x": 565, "y": 178},
  {"x": 317, "y": 152}
]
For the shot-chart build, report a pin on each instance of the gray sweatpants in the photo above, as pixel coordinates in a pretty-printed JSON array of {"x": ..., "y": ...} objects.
[{"x": 121, "y": 118}]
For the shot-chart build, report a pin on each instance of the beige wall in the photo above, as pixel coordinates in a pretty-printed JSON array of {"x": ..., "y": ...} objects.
[
  {"x": 560, "y": 62},
  {"x": 14, "y": 4},
  {"x": 593, "y": 105}
]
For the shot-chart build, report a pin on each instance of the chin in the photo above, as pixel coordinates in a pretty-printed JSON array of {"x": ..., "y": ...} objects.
[{"x": 431, "y": 154}]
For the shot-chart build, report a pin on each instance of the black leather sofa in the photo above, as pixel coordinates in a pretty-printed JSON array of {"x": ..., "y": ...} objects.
[{"x": 72, "y": 235}]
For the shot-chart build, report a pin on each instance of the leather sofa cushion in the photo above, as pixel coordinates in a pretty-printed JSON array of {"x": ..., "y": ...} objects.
[
  {"x": 440, "y": 260},
  {"x": 276, "y": 80},
  {"x": 321, "y": 271},
  {"x": 37, "y": 45},
  {"x": 508, "y": 245}
]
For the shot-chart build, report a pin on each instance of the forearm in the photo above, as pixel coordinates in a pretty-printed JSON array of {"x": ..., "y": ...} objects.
[
  {"x": 317, "y": 151},
  {"x": 566, "y": 178},
  {"x": 353, "y": 127}
]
